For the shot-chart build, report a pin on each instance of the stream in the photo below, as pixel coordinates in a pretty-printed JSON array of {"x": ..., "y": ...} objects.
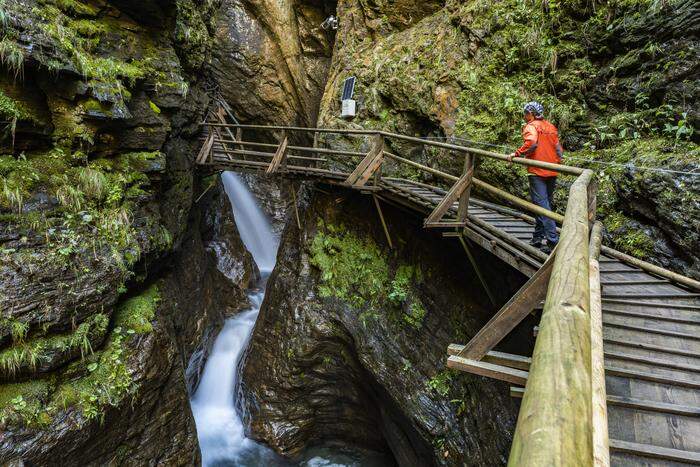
[{"x": 220, "y": 429}]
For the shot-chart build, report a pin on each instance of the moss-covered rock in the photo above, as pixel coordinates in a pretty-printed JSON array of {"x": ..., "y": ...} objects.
[{"x": 620, "y": 76}]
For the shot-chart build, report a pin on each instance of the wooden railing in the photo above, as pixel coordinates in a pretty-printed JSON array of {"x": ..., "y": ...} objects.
[{"x": 555, "y": 424}]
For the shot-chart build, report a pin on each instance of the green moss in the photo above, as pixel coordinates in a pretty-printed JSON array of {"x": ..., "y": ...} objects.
[
  {"x": 154, "y": 107},
  {"x": 94, "y": 382},
  {"x": 627, "y": 238},
  {"x": 21, "y": 402},
  {"x": 31, "y": 353},
  {"x": 73, "y": 7},
  {"x": 192, "y": 25},
  {"x": 402, "y": 293},
  {"x": 352, "y": 269},
  {"x": 356, "y": 271},
  {"x": 416, "y": 315},
  {"x": 137, "y": 313}
]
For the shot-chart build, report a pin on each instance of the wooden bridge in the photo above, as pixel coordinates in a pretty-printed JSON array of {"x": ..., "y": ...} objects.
[{"x": 614, "y": 378}]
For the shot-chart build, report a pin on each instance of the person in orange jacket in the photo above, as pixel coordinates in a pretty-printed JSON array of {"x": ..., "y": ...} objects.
[{"x": 541, "y": 143}]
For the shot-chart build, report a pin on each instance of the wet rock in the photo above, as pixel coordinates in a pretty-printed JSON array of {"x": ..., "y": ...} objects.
[
  {"x": 270, "y": 59},
  {"x": 350, "y": 343}
]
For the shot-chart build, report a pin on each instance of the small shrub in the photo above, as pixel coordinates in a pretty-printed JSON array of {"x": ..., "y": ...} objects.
[
  {"x": 12, "y": 57},
  {"x": 93, "y": 183},
  {"x": 70, "y": 197}
]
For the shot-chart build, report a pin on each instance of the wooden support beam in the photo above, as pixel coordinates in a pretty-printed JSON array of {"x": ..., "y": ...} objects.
[
  {"x": 205, "y": 150},
  {"x": 510, "y": 360},
  {"x": 511, "y": 314},
  {"x": 458, "y": 189},
  {"x": 445, "y": 225},
  {"x": 601, "y": 450},
  {"x": 477, "y": 270},
  {"x": 279, "y": 157},
  {"x": 503, "y": 373},
  {"x": 381, "y": 217},
  {"x": 372, "y": 161}
]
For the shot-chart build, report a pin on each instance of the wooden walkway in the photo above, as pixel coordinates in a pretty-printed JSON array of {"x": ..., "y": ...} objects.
[{"x": 650, "y": 323}]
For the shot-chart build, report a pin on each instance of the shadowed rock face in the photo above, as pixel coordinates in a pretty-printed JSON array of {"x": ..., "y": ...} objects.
[
  {"x": 349, "y": 347},
  {"x": 270, "y": 59}
]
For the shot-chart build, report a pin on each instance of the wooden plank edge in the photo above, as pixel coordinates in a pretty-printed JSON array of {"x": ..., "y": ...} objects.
[
  {"x": 655, "y": 452},
  {"x": 502, "y": 373},
  {"x": 637, "y": 404}
]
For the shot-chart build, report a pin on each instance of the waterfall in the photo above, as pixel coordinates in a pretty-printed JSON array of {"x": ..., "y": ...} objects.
[
  {"x": 253, "y": 226},
  {"x": 220, "y": 429}
]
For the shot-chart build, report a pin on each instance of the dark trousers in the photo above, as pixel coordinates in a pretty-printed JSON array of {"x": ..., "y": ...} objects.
[{"x": 542, "y": 194}]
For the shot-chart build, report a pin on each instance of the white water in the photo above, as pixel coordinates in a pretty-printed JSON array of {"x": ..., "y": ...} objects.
[
  {"x": 220, "y": 429},
  {"x": 253, "y": 226}
]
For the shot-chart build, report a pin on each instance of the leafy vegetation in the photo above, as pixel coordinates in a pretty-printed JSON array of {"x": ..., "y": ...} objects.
[
  {"x": 440, "y": 383},
  {"x": 95, "y": 200},
  {"x": 29, "y": 354},
  {"x": 352, "y": 269},
  {"x": 355, "y": 271},
  {"x": 97, "y": 380}
]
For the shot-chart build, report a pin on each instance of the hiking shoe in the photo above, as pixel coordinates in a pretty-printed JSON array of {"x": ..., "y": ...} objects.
[
  {"x": 536, "y": 242},
  {"x": 548, "y": 247}
]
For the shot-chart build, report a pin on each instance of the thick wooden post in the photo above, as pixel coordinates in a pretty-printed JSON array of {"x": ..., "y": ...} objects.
[
  {"x": 463, "y": 209},
  {"x": 555, "y": 421}
]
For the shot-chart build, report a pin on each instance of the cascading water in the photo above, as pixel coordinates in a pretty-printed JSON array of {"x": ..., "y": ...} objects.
[{"x": 219, "y": 427}]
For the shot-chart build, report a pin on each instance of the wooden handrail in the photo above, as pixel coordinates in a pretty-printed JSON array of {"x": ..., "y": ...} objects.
[
  {"x": 555, "y": 424},
  {"x": 564, "y": 169},
  {"x": 599, "y": 407}
]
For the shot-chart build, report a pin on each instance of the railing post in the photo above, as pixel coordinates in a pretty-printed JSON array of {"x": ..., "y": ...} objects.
[
  {"x": 592, "y": 201},
  {"x": 555, "y": 421},
  {"x": 315, "y": 154},
  {"x": 239, "y": 137},
  {"x": 463, "y": 209}
]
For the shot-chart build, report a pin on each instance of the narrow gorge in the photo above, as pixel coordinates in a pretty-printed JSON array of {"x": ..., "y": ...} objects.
[{"x": 158, "y": 311}]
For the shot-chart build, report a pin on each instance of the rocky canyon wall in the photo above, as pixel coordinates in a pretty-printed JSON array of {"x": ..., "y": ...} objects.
[{"x": 349, "y": 347}]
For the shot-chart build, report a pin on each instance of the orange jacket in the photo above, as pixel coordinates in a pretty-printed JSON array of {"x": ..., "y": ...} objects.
[{"x": 541, "y": 143}]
